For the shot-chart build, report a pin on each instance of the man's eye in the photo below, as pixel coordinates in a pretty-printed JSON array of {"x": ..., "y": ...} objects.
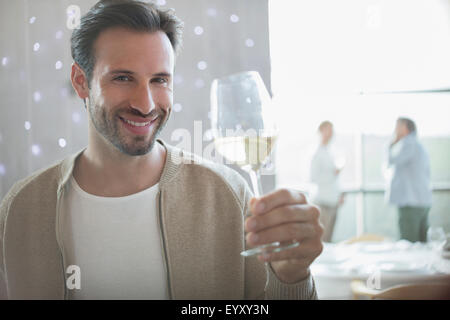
[
  {"x": 160, "y": 80},
  {"x": 122, "y": 78}
]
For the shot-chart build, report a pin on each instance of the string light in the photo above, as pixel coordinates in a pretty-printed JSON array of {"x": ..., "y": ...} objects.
[
  {"x": 62, "y": 142},
  {"x": 177, "y": 107},
  {"x": 76, "y": 117},
  {"x": 37, "y": 96},
  {"x": 64, "y": 92},
  {"x": 35, "y": 149},
  {"x": 234, "y": 18},
  {"x": 211, "y": 12},
  {"x": 201, "y": 65},
  {"x": 198, "y": 30},
  {"x": 178, "y": 79}
]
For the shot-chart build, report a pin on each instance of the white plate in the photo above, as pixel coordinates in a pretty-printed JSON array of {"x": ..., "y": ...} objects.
[
  {"x": 377, "y": 247},
  {"x": 331, "y": 258},
  {"x": 398, "y": 266}
]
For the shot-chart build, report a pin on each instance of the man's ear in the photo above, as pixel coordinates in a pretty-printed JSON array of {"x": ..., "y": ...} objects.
[{"x": 79, "y": 81}]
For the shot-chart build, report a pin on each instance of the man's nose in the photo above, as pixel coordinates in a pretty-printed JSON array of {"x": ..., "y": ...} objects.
[{"x": 142, "y": 100}]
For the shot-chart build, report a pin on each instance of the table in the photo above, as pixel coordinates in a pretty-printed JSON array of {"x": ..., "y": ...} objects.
[{"x": 379, "y": 264}]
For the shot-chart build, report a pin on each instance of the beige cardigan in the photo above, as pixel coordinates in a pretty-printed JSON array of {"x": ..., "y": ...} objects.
[{"x": 201, "y": 206}]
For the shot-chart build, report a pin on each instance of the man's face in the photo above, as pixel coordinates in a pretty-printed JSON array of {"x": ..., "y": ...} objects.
[
  {"x": 401, "y": 130},
  {"x": 131, "y": 96},
  {"x": 327, "y": 133}
]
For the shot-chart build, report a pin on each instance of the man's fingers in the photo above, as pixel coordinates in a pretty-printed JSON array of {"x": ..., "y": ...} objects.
[
  {"x": 283, "y": 232},
  {"x": 281, "y": 215},
  {"x": 279, "y": 197},
  {"x": 306, "y": 252}
]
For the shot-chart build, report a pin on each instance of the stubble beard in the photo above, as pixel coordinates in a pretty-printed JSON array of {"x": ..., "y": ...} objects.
[{"x": 107, "y": 125}]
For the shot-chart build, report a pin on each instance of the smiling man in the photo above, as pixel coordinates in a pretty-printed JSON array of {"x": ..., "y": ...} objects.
[
  {"x": 126, "y": 212},
  {"x": 130, "y": 99}
]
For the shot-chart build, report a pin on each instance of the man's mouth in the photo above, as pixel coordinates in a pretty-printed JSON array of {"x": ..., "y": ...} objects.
[
  {"x": 137, "y": 124},
  {"x": 138, "y": 127}
]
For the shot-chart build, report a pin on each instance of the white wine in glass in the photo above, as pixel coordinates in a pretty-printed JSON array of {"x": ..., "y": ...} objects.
[
  {"x": 244, "y": 129},
  {"x": 248, "y": 152}
]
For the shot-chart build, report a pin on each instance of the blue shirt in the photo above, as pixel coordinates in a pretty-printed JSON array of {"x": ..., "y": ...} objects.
[{"x": 410, "y": 180}]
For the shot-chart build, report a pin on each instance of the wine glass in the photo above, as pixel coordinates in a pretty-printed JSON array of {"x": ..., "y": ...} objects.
[
  {"x": 244, "y": 131},
  {"x": 436, "y": 237}
]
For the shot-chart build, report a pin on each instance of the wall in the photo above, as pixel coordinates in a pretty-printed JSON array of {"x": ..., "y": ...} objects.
[{"x": 42, "y": 121}]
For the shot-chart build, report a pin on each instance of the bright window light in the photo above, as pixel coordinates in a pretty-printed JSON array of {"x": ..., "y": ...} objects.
[{"x": 341, "y": 61}]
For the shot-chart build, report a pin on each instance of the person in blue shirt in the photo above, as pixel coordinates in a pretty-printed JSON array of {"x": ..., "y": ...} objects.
[{"x": 409, "y": 185}]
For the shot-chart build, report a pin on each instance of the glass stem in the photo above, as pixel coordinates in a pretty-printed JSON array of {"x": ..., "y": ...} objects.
[{"x": 255, "y": 177}]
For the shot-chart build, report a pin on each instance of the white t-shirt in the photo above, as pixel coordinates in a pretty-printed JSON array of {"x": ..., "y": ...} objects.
[
  {"x": 115, "y": 241},
  {"x": 323, "y": 175}
]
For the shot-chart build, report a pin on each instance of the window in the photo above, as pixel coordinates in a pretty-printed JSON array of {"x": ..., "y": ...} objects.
[{"x": 341, "y": 61}]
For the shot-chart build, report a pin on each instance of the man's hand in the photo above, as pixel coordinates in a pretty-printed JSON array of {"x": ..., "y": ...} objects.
[
  {"x": 285, "y": 216},
  {"x": 395, "y": 139}
]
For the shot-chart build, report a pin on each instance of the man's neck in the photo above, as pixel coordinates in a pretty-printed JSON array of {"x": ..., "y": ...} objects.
[{"x": 114, "y": 174}]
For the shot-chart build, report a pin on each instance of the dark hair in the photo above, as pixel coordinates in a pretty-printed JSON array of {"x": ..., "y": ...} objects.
[
  {"x": 324, "y": 124},
  {"x": 130, "y": 14},
  {"x": 410, "y": 125}
]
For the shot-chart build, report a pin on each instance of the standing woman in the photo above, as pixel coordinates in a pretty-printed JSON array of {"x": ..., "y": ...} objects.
[{"x": 324, "y": 175}]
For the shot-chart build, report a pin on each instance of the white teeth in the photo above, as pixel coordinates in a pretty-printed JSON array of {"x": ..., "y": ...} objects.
[{"x": 137, "y": 124}]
